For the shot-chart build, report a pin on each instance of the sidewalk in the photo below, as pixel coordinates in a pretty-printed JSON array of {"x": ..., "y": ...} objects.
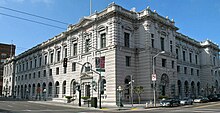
[{"x": 110, "y": 108}]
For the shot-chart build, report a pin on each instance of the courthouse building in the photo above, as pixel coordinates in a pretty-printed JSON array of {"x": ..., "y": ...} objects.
[{"x": 117, "y": 44}]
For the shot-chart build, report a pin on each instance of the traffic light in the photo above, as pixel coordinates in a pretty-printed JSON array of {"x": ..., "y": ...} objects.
[{"x": 65, "y": 62}]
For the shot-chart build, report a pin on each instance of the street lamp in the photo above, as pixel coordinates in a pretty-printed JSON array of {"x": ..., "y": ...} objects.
[
  {"x": 131, "y": 83},
  {"x": 119, "y": 89},
  {"x": 154, "y": 77}
]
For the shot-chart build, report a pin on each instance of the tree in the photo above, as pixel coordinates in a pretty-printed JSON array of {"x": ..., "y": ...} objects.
[{"x": 138, "y": 90}]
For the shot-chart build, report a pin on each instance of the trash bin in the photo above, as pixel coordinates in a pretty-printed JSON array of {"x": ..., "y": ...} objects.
[{"x": 94, "y": 102}]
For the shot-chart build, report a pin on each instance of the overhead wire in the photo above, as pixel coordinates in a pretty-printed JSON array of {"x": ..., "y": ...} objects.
[
  {"x": 32, "y": 21},
  {"x": 22, "y": 12}
]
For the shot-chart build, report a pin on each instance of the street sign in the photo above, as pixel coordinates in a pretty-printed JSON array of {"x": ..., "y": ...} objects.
[{"x": 154, "y": 77}]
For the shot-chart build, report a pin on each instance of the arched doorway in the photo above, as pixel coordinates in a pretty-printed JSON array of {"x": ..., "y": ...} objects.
[
  {"x": 44, "y": 90},
  {"x": 216, "y": 87},
  {"x": 73, "y": 87},
  {"x": 198, "y": 89},
  {"x": 186, "y": 88},
  {"x": 57, "y": 89},
  {"x": 164, "y": 84},
  {"x": 50, "y": 88},
  {"x": 192, "y": 93},
  {"x": 179, "y": 88},
  {"x": 33, "y": 90},
  {"x": 29, "y": 90},
  {"x": 64, "y": 89},
  {"x": 38, "y": 91}
]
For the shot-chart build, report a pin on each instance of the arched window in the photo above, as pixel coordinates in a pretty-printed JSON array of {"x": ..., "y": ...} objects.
[
  {"x": 164, "y": 83},
  {"x": 179, "y": 88},
  {"x": 198, "y": 88},
  {"x": 192, "y": 89},
  {"x": 73, "y": 87},
  {"x": 186, "y": 88},
  {"x": 33, "y": 90},
  {"x": 57, "y": 88},
  {"x": 50, "y": 88},
  {"x": 64, "y": 88}
]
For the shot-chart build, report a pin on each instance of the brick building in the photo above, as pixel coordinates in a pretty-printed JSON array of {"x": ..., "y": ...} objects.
[{"x": 6, "y": 50}]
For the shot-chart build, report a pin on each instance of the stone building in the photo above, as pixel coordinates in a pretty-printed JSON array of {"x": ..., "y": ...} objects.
[
  {"x": 6, "y": 50},
  {"x": 118, "y": 45}
]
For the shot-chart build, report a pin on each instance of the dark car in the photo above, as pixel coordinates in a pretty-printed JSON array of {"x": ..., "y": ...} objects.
[
  {"x": 213, "y": 97},
  {"x": 170, "y": 102},
  {"x": 218, "y": 95}
]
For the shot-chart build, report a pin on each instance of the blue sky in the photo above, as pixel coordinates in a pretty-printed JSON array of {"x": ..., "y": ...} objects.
[{"x": 198, "y": 19}]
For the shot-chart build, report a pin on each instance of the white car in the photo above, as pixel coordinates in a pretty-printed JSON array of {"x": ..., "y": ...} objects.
[{"x": 186, "y": 101}]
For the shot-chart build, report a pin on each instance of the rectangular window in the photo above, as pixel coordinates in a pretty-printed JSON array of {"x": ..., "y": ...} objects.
[
  {"x": 214, "y": 61},
  {"x": 27, "y": 65},
  {"x": 30, "y": 76},
  {"x": 35, "y": 63},
  {"x": 164, "y": 62},
  {"x": 197, "y": 72},
  {"x": 65, "y": 52},
  {"x": 40, "y": 60},
  {"x": 51, "y": 71},
  {"x": 51, "y": 58},
  {"x": 162, "y": 43},
  {"x": 190, "y": 57},
  {"x": 178, "y": 69},
  {"x": 45, "y": 73},
  {"x": 64, "y": 70},
  {"x": 31, "y": 64},
  {"x": 73, "y": 66},
  {"x": 103, "y": 40},
  {"x": 57, "y": 71},
  {"x": 25, "y": 77},
  {"x": 58, "y": 56},
  {"x": 185, "y": 70},
  {"x": 128, "y": 60},
  {"x": 126, "y": 39},
  {"x": 184, "y": 56},
  {"x": 34, "y": 75},
  {"x": 196, "y": 58},
  {"x": 177, "y": 54},
  {"x": 38, "y": 74},
  {"x": 152, "y": 43},
  {"x": 74, "y": 49},
  {"x": 192, "y": 71},
  {"x": 87, "y": 45},
  {"x": 45, "y": 59},
  {"x": 171, "y": 46},
  {"x": 172, "y": 64}
]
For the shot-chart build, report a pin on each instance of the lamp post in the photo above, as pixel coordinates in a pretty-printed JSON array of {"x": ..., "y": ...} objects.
[
  {"x": 154, "y": 77},
  {"x": 119, "y": 89},
  {"x": 131, "y": 82}
]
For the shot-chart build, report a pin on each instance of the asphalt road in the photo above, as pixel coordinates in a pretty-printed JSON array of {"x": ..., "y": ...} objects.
[{"x": 30, "y": 107}]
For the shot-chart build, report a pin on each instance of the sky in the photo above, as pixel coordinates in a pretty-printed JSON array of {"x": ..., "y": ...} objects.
[{"x": 198, "y": 19}]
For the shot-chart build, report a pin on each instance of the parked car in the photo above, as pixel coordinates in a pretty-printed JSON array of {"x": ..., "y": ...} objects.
[
  {"x": 186, "y": 101},
  {"x": 218, "y": 95},
  {"x": 201, "y": 100},
  {"x": 213, "y": 97},
  {"x": 170, "y": 102}
]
